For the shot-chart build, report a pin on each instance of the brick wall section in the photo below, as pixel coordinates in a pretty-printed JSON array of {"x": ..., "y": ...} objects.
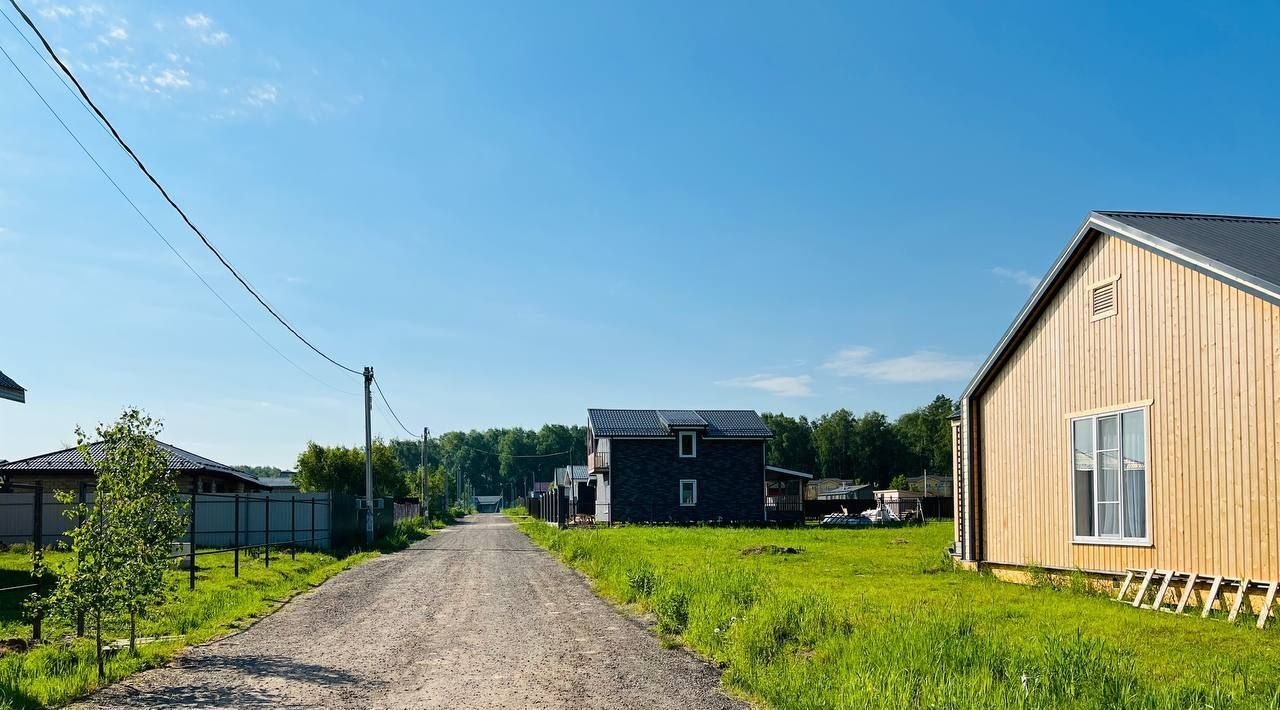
[{"x": 645, "y": 480}]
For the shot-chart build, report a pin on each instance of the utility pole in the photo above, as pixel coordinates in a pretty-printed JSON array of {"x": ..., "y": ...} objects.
[
  {"x": 425, "y": 498},
  {"x": 368, "y": 456}
]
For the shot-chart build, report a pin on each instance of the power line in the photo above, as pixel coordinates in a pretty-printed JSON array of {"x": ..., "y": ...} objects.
[
  {"x": 153, "y": 227},
  {"x": 517, "y": 456},
  {"x": 53, "y": 70},
  {"x": 138, "y": 161},
  {"x": 392, "y": 410}
]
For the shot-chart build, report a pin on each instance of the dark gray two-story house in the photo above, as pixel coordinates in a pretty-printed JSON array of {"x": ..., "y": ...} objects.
[{"x": 682, "y": 465}]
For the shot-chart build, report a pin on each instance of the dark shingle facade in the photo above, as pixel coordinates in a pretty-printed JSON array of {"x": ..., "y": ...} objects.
[{"x": 646, "y": 475}]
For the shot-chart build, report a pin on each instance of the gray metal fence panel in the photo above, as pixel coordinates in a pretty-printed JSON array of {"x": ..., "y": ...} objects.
[{"x": 291, "y": 518}]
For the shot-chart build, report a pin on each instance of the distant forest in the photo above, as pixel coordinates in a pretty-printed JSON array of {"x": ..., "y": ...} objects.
[{"x": 869, "y": 448}]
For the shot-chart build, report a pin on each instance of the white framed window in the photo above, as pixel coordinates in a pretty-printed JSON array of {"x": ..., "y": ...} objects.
[
  {"x": 1109, "y": 478},
  {"x": 688, "y": 492},
  {"x": 688, "y": 444}
]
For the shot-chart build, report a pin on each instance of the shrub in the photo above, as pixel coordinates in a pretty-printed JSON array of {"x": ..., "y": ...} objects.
[
  {"x": 641, "y": 580},
  {"x": 671, "y": 606}
]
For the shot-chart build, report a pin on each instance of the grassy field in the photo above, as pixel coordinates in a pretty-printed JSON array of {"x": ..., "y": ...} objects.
[
  {"x": 57, "y": 672},
  {"x": 877, "y": 619}
]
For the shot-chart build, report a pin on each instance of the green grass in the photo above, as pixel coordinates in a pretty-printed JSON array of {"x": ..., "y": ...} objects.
[
  {"x": 876, "y": 618},
  {"x": 58, "y": 672}
]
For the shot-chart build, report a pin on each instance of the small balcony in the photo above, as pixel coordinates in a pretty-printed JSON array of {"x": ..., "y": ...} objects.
[{"x": 598, "y": 461}]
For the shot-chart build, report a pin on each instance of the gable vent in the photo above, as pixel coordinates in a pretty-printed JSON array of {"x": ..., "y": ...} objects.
[{"x": 1102, "y": 300}]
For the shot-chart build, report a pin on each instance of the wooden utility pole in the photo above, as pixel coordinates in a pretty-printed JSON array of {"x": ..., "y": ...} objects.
[{"x": 368, "y": 456}]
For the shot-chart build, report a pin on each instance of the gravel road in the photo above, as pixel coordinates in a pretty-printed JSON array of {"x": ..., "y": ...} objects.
[{"x": 476, "y": 616}]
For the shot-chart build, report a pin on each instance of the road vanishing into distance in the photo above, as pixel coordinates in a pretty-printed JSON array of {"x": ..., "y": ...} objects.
[{"x": 476, "y": 616}]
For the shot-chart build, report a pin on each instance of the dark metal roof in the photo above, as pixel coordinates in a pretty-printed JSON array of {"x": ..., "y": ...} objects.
[
  {"x": 11, "y": 390},
  {"x": 1249, "y": 245},
  {"x": 70, "y": 461},
  {"x": 732, "y": 423}
]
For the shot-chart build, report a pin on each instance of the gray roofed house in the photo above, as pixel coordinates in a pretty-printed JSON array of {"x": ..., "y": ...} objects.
[
  {"x": 66, "y": 468},
  {"x": 11, "y": 390}
]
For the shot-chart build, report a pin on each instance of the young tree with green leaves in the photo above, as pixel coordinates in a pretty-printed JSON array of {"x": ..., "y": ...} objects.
[{"x": 121, "y": 544}]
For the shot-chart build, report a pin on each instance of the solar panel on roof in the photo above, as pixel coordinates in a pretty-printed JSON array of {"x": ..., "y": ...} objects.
[{"x": 674, "y": 418}]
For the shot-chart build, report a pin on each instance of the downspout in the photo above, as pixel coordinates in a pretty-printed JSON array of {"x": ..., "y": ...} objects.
[{"x": 966, "y": 457}]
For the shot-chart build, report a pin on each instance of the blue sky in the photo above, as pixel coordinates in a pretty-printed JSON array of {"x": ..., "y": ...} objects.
[{"x": 514, "y": 211}]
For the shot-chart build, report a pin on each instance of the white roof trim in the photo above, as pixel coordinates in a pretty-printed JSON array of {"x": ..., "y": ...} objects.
[{"x": 788, "y": 472}]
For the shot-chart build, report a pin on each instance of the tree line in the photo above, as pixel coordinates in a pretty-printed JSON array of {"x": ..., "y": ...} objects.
[
  {"x": 496, "y": 461},
  {"x": 869, "y": 448}
]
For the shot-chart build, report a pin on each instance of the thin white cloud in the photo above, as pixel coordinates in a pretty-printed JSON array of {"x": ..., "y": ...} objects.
[
  {"x": 1018, "y": 276},
  {"x": 779, "y": 385},
  {"x": 171, "y": 78},
  {"x": 215, "y": 39},
  {"x": 89, "y": 12},
  {"x": 115, "y": 34},
  {"x": 920, "y": 366},
  {"x": 56, "y": 12},
  {"x": 205, "y": 30},
  {"x": 262, "y": 95}
]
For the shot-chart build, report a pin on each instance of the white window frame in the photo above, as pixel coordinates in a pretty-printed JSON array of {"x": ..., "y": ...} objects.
[
  {"x": 694, "y": 490},
  {"x": 693, "y": 437},
  {"x": 1094, "y": 416}
]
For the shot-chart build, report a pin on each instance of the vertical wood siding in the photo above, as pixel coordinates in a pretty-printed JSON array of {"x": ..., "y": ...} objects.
[{"x": 1205, "y": 355}]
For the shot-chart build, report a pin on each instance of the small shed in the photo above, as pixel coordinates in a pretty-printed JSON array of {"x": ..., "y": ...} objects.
[{"x": 487, "y": 504}]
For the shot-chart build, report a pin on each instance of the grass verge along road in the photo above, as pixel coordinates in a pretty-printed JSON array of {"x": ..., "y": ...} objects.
[
  {"x": 65, "y": 668},
  {"x": 875, "y": 618}
]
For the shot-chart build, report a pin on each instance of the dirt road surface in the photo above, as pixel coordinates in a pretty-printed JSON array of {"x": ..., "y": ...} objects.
[{"x": 473, "y": 617}]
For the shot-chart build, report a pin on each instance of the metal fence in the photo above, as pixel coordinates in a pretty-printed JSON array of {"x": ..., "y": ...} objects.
[
  {"x": 219, "y": 516},
  {"x": 252, "y": 523},
  {"x": 405, "y": 510}
]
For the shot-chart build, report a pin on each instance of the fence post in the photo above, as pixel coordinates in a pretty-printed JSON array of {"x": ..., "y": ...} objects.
[
  {"x": 293, "y": 527},
  {"x": 236, "y": 529},
  {"x": 80, "y": 496},
  {"x": 37, "y": 554},
  {"x": 313, "y": 523},
  {"x": 191, "y": 552},
  {"x": 267, "y": 533}
]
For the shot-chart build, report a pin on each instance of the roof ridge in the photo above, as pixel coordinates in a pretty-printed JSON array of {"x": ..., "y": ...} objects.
[
  {"x": 1188, "y": 215},
  {"x": 44, "y": 455}
]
